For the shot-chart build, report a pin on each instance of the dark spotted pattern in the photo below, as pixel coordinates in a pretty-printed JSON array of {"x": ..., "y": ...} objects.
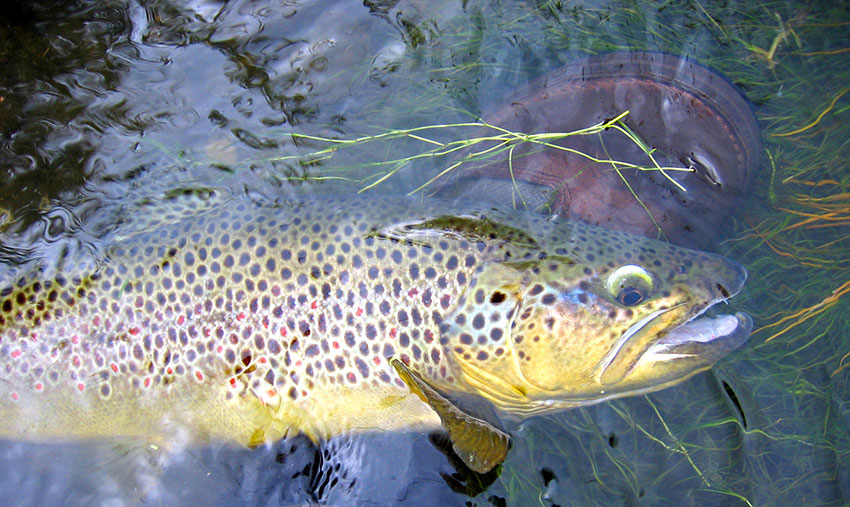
[{"x": 285, "y": 301}]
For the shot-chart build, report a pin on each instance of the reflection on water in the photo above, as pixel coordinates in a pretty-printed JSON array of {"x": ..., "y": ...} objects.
[{"x": 106, "y": 105}]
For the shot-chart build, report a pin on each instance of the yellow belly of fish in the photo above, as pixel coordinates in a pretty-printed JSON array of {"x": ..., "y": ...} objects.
[{"x": 207, "y": 415}]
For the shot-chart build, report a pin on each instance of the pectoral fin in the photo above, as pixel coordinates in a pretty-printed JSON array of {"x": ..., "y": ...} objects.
[{"x": 478, "y": 443}]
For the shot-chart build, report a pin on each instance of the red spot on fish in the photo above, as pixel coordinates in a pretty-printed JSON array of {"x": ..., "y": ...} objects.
[
  {"x": 75, "y": 339},
  {"x": 262, "y": 359},
  {"x": 282, "y": 330},
  {"x": 351, "y": 378},
  {"x": 39, "y": 386},
  {"x": 81, "y": 387},
  {"x": 405, "y": 359},
  {"x": 134, "y": 331},
  {"x": 336, "y": 345},
  {"x": 96, "y": 321},
  {"x": 393, "y": 332},
  {"x": 207, "y": 332},
  {"x": 303, "y": 393},
  {"x": 148, "y": 382},
  {"x": 16, "y": 353},
  {"x": 233, "y": 381},
  {"x": 199, "y": 375},
  {"x": 241, "y": 316},
  {"x": 413, "y": 292},
  {"x": 220, "y": 349},
  {"x": 15, "y": 396},
  {"x": 180, "y": 320},
  {"x": 314, "y": 305},
  {"x": 266, "y": 322},
  {"x": 76, "y": 361},
  {"x": 271, "y": 392},
  {"x": 115, "y": 367},
  {"x": 169, "y": 371},
  {"x": 359, "y": 312},
  {"x": 377, "y": 360},
  {"x": 429, "y": 336},
  {"x": 298, "y": 363}
]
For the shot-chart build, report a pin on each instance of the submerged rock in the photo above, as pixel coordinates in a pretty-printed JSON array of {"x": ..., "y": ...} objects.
[{"x": 688, "y": 116}]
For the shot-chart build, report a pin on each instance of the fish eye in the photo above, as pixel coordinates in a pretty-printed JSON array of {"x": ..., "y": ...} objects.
[
  {"x": 630, "y": 296},
  {"x": 630, "y": 285}
]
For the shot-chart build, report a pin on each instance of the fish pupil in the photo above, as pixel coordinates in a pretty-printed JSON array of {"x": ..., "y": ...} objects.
[{"x": 631, "y": 296}]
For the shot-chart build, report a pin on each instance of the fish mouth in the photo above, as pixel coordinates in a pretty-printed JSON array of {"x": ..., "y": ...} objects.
[
  {"x": 677, "y": 352},
  {"x": 718, "y": 334},
  {"x": 671, "y": 349}
]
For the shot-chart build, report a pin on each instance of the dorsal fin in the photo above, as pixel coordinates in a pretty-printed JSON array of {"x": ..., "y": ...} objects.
[{"x": 473, "y": 228}]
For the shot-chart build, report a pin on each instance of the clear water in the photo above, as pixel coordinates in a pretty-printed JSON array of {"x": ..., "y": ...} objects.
[{"x": 108, "y": 104}]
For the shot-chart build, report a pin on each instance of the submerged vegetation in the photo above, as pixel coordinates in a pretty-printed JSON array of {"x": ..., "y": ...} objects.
[{"x": 769, "y": 425}]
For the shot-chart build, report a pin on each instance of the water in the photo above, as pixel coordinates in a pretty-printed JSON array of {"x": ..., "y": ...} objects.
[{"x": 113, "y": 108}]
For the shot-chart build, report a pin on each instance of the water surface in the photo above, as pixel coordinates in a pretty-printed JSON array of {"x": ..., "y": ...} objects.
[{"x": 114, "y": 108}]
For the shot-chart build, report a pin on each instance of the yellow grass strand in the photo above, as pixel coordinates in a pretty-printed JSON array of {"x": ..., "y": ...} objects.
[
  {"x": 806, "y": 313},
  {"x": 818, "y": 119}
]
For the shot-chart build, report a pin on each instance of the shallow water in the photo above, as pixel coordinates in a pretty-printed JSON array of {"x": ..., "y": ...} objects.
[{"x": 115, "y": 108}]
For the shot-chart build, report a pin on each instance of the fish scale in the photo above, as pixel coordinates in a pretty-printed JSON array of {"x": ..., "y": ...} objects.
[
  {"x": 267, "y": 302},
  {"x": 246, "y": 322}
]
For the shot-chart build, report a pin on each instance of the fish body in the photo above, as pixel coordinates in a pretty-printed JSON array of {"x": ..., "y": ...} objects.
[{"x": 247, "y": 322}]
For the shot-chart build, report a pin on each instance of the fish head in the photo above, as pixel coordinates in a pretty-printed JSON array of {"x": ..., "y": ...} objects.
[{"x": 594, "y": 315}]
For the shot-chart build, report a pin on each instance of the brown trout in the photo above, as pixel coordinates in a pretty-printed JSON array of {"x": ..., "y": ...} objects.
[{"x": 248, "y": 322}]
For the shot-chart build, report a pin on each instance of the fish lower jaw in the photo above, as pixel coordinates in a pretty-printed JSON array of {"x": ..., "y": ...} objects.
[{"x": 723, "y": 333}]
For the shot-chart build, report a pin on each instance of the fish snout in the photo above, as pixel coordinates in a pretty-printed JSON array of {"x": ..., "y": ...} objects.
[{"x": 730, "y": 278}]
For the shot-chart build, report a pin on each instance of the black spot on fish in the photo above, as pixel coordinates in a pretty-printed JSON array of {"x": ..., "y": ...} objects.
[
  {"x": 389, "y": 351},
  {"x": 304, "y": 327},
  {"x": 274, "y": 347},
  {"x": 478, "y": 321},
  {"x": 362, "y": 367},
  {"x": 479, "y": 296}
]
